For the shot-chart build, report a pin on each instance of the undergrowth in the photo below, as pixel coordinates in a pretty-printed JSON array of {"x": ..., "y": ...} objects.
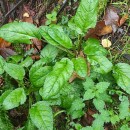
[{"x": 72, "y": 77}]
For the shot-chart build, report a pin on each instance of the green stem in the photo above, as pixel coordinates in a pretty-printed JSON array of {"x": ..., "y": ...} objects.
[
  {"x": 68, "y": 51},
  {"x": 59, "y": 112},
  {"x": 79, "y": 43}
]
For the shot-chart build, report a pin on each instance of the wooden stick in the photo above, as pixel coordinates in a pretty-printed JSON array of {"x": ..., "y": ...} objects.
[{"x": 9, "y": 12}]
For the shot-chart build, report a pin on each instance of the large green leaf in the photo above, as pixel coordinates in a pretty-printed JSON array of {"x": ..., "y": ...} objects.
[
  {"x": 19, "y": 32},
  {"x": 96, "y": 56},
  {"x": 80, "y": 66},
  {"x": 14, "y": 99},
  {"x": 15, "y": 71},
  {"x": 38, "y": 73},
  {"x": 57, "y": 78},
  {"x": 1, "y": 65},
  {"x": 29, "y": 125},
  {"x": 86, "y": 15},
  {"x": 41, "y": 115},
  {"x": 56, "y": 36},
  {"x": 4, "y": 95},
  {"x": 27, "y": 62},
  {"x": 100, "y": 64},
  {"x": 49, "y": 52},
  {"x": 121, "y": 73}
]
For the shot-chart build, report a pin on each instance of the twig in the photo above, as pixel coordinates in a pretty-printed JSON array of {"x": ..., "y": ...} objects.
[
  {"x": 41, "y": 12},
  {"x": 8, "y": 13},
  {"x": 62, "y": 7},
  {"x": 3, "y": 6}
]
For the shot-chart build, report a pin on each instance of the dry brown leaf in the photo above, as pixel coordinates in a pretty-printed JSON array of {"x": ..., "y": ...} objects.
[
  {"x": 100, "y": 30},
  {"x": 35, "y": 57},
  {"x": 74, "y": 76},
  {"x": 88, "y": 117},
  {"x": 123, "y": 19},
  {"x": 105, "y": 30},
  {"x": 6, "y": 52},
  {"x": 111, "y": 17},
  {"x": 4, "y": 43}
]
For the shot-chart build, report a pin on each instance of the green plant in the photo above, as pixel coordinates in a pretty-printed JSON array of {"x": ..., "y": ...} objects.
[
  {"x": 51, "y": 18},
  {"x": 43, "y": 87}
]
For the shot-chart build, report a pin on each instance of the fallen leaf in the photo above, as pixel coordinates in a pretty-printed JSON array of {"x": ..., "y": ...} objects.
[
  {"x": 74, "y": 76},
  {"x": 123, "y": 19},
  {"x": 106, "y": 43},
  {"x": 4, "y": 43},
  {"x": 88, "y": 119},
  {"x": 100, "y": 30},
  {"x": 111, "y": 17},
  {"x": 6, "y": 52},
  {"x": 35, "y": 57}
]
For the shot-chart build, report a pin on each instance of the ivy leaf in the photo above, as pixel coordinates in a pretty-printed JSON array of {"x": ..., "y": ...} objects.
[
  {"x": 57, "y": 78},
  {"x": 41, "y": 115},
  {"x": 89, "y": 94},
  {"x": 19, "y": 32},
  {"x": 99, "y": 104},
  {"x": 38, "y": 73},
  {"x": 80, "y": 66},
  {"x": 102, "y": 86},
  {"x": 124, "y": 108},
  {"x": 50, "y": 52},
  {"x": 104, "y": 116},
  {"x": 1, "y": 65},
  {"x": 88, "y": 84},
  {"x": 55, "y": 36},
  {"x": 86, "y": 15},
  {"x": 15, "y": 71},
  {"x": 76, "y": 108},
  {"x": 121, "y": 73},
  {"x": 98, "y": 123},
  {"x": 14, "y": 99},
  {"x": 114, "y": 119}
]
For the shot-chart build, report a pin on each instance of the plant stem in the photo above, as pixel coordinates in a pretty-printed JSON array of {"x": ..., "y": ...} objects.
[{"x": 68, "y": 51}]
